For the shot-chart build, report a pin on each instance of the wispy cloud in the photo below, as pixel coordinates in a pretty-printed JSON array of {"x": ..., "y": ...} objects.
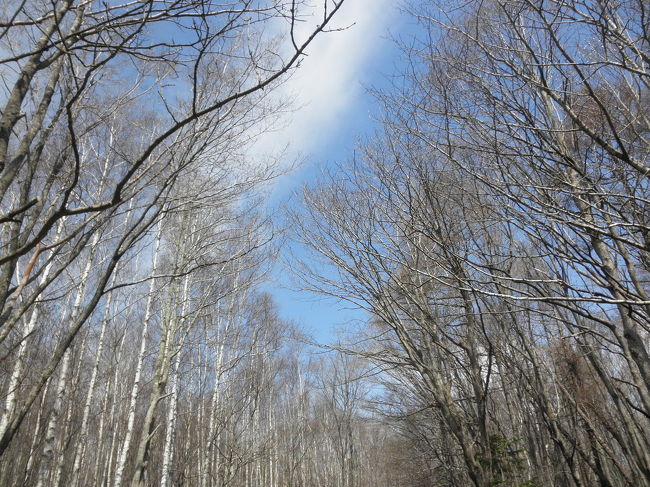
[{"x": 327, "y": 85}]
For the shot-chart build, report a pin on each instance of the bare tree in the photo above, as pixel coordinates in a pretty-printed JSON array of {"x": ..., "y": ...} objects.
[
  {"x": 77, "y": 153},
  {"x": 494, "y": 230}
]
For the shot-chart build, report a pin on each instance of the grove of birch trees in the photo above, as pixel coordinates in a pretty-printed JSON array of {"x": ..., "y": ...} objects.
[
  {"x": 136, "y": 347},
  {"x": 495, "y": 229}
]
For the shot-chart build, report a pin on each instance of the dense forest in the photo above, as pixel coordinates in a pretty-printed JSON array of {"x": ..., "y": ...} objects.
[{"x": 495, "y": 229}]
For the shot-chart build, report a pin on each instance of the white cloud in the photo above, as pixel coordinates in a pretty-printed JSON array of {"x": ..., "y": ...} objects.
[{"x": 329, "y": 79}]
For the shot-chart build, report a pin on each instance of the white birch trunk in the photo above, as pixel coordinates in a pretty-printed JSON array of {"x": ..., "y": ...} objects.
[
  {"x": 52, "y": 427},
  {"x": 211, "y": 460},
  {"x": 202, "y": 445},
  {"x": 170, "y": 435},
  {"x": 209, "y": 450},
  {"x": 19, "y": 364},
  {"x": 99, "y": 451},
  {"x": 83, "y": 433},
  {"x": 115, "y": 407},
  {"x": 167, "y": 350},
  {"x": 124, "y": 450},
  {"x": 65, "y": 430},
  {"x": 156, "y": 394},
  {"x": 271, "y": 431}
]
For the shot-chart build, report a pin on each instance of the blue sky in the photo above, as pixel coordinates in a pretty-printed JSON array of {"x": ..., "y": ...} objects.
[{"x": 334, "y": 111}]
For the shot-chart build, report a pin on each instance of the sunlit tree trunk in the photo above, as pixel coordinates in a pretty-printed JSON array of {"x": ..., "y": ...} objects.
[
  {"x": 53, "y": 423},
  {"x": 135, "y": 389},
  {"x": 83, "y": 429},
  {"x": 170, "y": 429}
]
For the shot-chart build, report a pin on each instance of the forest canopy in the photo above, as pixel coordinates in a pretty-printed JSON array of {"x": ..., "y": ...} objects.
[{"x": 495, "y": 229}]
